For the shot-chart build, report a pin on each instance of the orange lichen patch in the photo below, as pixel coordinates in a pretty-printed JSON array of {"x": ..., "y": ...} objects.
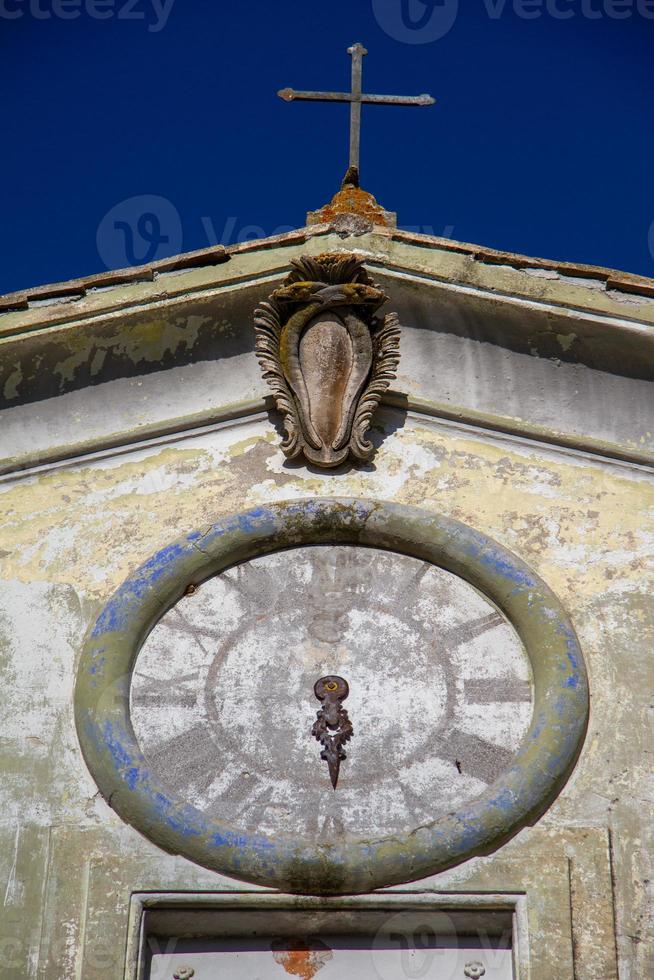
[
  {"x": 353, "y": 200},
  {"x": 300, "y": 958}
]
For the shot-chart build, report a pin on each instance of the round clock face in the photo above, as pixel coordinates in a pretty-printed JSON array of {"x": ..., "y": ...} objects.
[{"x": 222, "y": 694}]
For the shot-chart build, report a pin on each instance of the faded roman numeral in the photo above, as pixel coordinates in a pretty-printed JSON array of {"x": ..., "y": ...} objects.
[
  {"x": 484, "y": 690},
  {"x": 189, "y": 759},
  {"x": 472, "y": 629},
  {"x": 476, "y": 756},
  {"x": 174, "y": 692}
]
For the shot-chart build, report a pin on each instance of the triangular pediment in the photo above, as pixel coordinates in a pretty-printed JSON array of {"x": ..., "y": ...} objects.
[{"x": 528, "y": 346}]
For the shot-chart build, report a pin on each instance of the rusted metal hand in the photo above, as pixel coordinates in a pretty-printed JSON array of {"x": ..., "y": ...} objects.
[{"x": 332, "y": 727}]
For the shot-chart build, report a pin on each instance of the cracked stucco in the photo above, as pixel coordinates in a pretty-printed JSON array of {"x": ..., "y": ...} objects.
[{"x": 582, "y": 527}]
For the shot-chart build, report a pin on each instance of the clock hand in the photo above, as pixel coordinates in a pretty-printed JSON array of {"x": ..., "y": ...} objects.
[{"x": 332, "y": 727}]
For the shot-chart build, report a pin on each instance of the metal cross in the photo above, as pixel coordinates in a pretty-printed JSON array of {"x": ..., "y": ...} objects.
[{"x": 356, "y": 98}]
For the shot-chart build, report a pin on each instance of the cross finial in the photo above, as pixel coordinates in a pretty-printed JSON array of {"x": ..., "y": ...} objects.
[{"x": 356, "y": 98}]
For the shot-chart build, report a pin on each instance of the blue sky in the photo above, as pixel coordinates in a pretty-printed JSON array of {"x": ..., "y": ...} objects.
[{"x": 134, "y": 129}]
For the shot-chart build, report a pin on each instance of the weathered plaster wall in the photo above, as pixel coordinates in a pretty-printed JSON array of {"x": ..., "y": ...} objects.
[{"x": 72, "y": 534}]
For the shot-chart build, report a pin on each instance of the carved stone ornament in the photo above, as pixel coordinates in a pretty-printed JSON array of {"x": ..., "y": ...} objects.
[{"x": 326, "y": 356}]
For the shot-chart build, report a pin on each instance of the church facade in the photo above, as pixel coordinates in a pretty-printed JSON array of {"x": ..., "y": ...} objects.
[{"x": 310, "y": 676}]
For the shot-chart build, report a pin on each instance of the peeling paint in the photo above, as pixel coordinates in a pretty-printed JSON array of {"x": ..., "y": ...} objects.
[
  {"x": 12, "y": 384},
  {"x": 300, "y": 958},
  {"x": 585, "y": 526},
  {"x": 576, "y": 524},
  {"x": 566, "y": 340}
]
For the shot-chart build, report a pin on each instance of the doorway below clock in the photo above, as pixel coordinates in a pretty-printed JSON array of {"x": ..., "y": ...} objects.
[{"x": 392, "y": 936}]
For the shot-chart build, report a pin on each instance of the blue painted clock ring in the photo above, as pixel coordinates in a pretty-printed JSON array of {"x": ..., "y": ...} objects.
[{"x": 543, "y": 762}]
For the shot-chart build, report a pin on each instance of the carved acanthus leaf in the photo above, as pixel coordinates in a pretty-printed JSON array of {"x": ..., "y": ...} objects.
[
  {"x": 386, "y": 357},
  {"x": 268, "y": 330}
]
